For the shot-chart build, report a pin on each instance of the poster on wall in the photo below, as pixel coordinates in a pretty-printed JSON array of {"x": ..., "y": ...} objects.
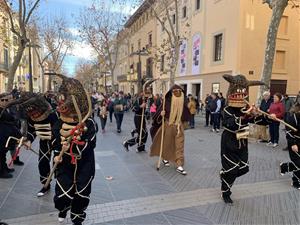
[
  {"x": 196, "y": 54},
  {"x": 183, "y": 58}
]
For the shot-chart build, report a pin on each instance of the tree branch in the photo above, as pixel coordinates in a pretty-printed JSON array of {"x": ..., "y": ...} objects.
[{"x": 31, "y": 11}]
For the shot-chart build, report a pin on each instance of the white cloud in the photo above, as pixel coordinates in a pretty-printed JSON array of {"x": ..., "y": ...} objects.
[{"x": 82, "y": 50}]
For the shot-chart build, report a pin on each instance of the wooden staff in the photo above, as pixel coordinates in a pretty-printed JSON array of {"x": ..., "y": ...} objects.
[
  {"x": 70, "y": 138},
  {"x": 162, "y": 133},
  {"x": 276, "y": 119}
]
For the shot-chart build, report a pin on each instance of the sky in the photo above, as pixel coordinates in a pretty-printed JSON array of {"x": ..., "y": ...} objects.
[{"x": 70, "y": 9}]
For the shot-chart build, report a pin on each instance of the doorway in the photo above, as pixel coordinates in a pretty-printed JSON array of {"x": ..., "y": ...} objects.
[
  {"x": 196, "y": 90},
  {"x": 278, "y": 86}
]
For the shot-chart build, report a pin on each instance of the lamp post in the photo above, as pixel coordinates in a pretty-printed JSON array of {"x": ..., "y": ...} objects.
[{"x": 139, "y": 53}]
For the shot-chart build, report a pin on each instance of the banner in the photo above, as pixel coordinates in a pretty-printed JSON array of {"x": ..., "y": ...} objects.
[
  {"x": 183, "y": 58},
  {"x": 196, "y": 54}
]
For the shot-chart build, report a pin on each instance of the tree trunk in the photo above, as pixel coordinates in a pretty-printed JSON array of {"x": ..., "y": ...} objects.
[
  {"x": 174, "y": 66},
  {"x": 278, "y": 7},
  {"x": 49, "y": 83},
  {"x": 13, "y": 68}
]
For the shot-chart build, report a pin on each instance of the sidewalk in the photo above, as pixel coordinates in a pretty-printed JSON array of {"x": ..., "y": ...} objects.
[{"x": 138, "y": 194}]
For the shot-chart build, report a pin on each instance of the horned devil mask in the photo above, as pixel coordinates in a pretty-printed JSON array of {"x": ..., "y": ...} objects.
[
  {"x": 238, "y": 89},
  {"x": 71, "y": 87},
  {"x": 35, "y": 106}
]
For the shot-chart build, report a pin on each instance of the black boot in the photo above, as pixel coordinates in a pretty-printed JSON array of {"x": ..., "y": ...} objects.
[
  {"x": 4, "y": 174},
  {"x": 9, "y": 170},
  {"x": 227, "y": 199},
  {"x": 18, "y": 162},
  {"x": 283, "y": 168}
]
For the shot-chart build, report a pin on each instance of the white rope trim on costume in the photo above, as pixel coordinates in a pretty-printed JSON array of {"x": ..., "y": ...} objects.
[
  {"x": 77, "y": 215},
  {"x": 245, "y": 165},
  {"x": 232, "y": 168},
  {"x": 31, "y": 135},
  {"x": 295, "y": 118},
  {"x": 65, "y": 193},
  {"x": 79, "y": 192},
  {"x": 93, "y": 137}
]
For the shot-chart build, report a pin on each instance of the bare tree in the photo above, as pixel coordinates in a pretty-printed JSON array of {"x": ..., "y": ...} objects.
[
  {"x": 278, "y": 7},
  {"x": 99, "y": 26},
  {"x": 19, "y": 21},
  {"x": 58, "y": 42},
  {"x": 86, "y": 73}
]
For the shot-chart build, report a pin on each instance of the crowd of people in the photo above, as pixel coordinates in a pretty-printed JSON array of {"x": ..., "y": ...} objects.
[{"x": 64, "y": 124}]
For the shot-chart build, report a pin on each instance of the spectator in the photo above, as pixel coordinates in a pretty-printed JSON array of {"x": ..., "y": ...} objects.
[
  {"x": 102, "y": 113},
  {"x": 263, "y": 133},
  {"x": 208, "y": 119},
  {"x": 223, "y": 103},
  {"x": 215, "y": 110},
  {"x": 201, "y": 106},
  {"x": 288, "y": 103},
  {"x": 119, "y": 108},
  {"x": 276, "y": 111},
  {"x": 297, "y": 98},
  {"x": 197, "y": 105},
  {"x": 193, "y": 110},
  {"x": 111, "y": 106}
]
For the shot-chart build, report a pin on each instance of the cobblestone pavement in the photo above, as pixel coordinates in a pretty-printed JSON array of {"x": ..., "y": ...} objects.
[{"x": 138, "y": 194}]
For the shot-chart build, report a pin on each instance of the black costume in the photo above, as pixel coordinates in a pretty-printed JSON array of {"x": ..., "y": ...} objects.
[
  {"x": 234, "y": 152},
  {"x": 234, "y": 141},
  {"x": 75, "y": 135},
  {"x": 43, "y": 130},
  {"x": 293, "y": 138},
  {"x": 137, "y": 122},
  {"x": 74, "y": 178},
  {"x": 8, "y": 127}
]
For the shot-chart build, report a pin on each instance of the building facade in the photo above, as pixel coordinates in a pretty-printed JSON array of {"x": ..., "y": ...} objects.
[
  {"x": 225, "y": 36},
  {"x": 8, "y": 49}
]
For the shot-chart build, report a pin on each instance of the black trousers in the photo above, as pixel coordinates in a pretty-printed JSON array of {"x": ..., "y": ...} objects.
[
  {"x": 135, "y": 140},
  {"x": 103, "y": 122},
  {"x": 111, "y": 112},
  {"x": 7, "y": 130},
  {"x": 234, "y": 159},
  {"x": 294, "y": 165},
  {"x": 73, "y": 187},
  {"x": 44, "y": 160},
  {"x": 208, "y": 119},
  {"x": 119, "y": 120},
  {"x": 274, "y": 131}
]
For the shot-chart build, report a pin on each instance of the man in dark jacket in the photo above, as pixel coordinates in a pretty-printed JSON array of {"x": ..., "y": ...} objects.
[
  {"x": 208, "y": 101},
  {"x": 262, "y": 128}
]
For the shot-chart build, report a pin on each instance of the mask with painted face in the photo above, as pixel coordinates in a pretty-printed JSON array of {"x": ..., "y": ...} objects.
[{"x": 239, "y": 89}]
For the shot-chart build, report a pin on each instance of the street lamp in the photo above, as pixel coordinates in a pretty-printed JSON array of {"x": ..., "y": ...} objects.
[{"x": 141, "y": 52}]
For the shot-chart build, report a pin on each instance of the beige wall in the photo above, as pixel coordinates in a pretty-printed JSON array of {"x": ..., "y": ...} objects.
[
  {"x": 244, "y": 24},
  {"x": 255, "y": 19}
]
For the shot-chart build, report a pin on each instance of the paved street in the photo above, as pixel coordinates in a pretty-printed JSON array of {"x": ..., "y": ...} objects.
[{"x": 138, "y": 194}]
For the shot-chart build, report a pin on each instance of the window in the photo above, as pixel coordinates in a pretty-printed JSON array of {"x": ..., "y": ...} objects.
[
  {"x": 174, "y": 18},
  {"x": 150, "y": 39},
  {"x": 218, "y": 40},
  {"x": 139, "y": 44},
  {"x": 215, "y": 88},
  {"x": 132, "y": 48},
  {"x": 6, "y": 58},
  {"x": 197, "y": 4},
  {"x": 162, "y": 63},
  {"x": 280, "y": 60},
  {"x": 283, "y": 26},
  {"x": 184, "y": 12}
]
